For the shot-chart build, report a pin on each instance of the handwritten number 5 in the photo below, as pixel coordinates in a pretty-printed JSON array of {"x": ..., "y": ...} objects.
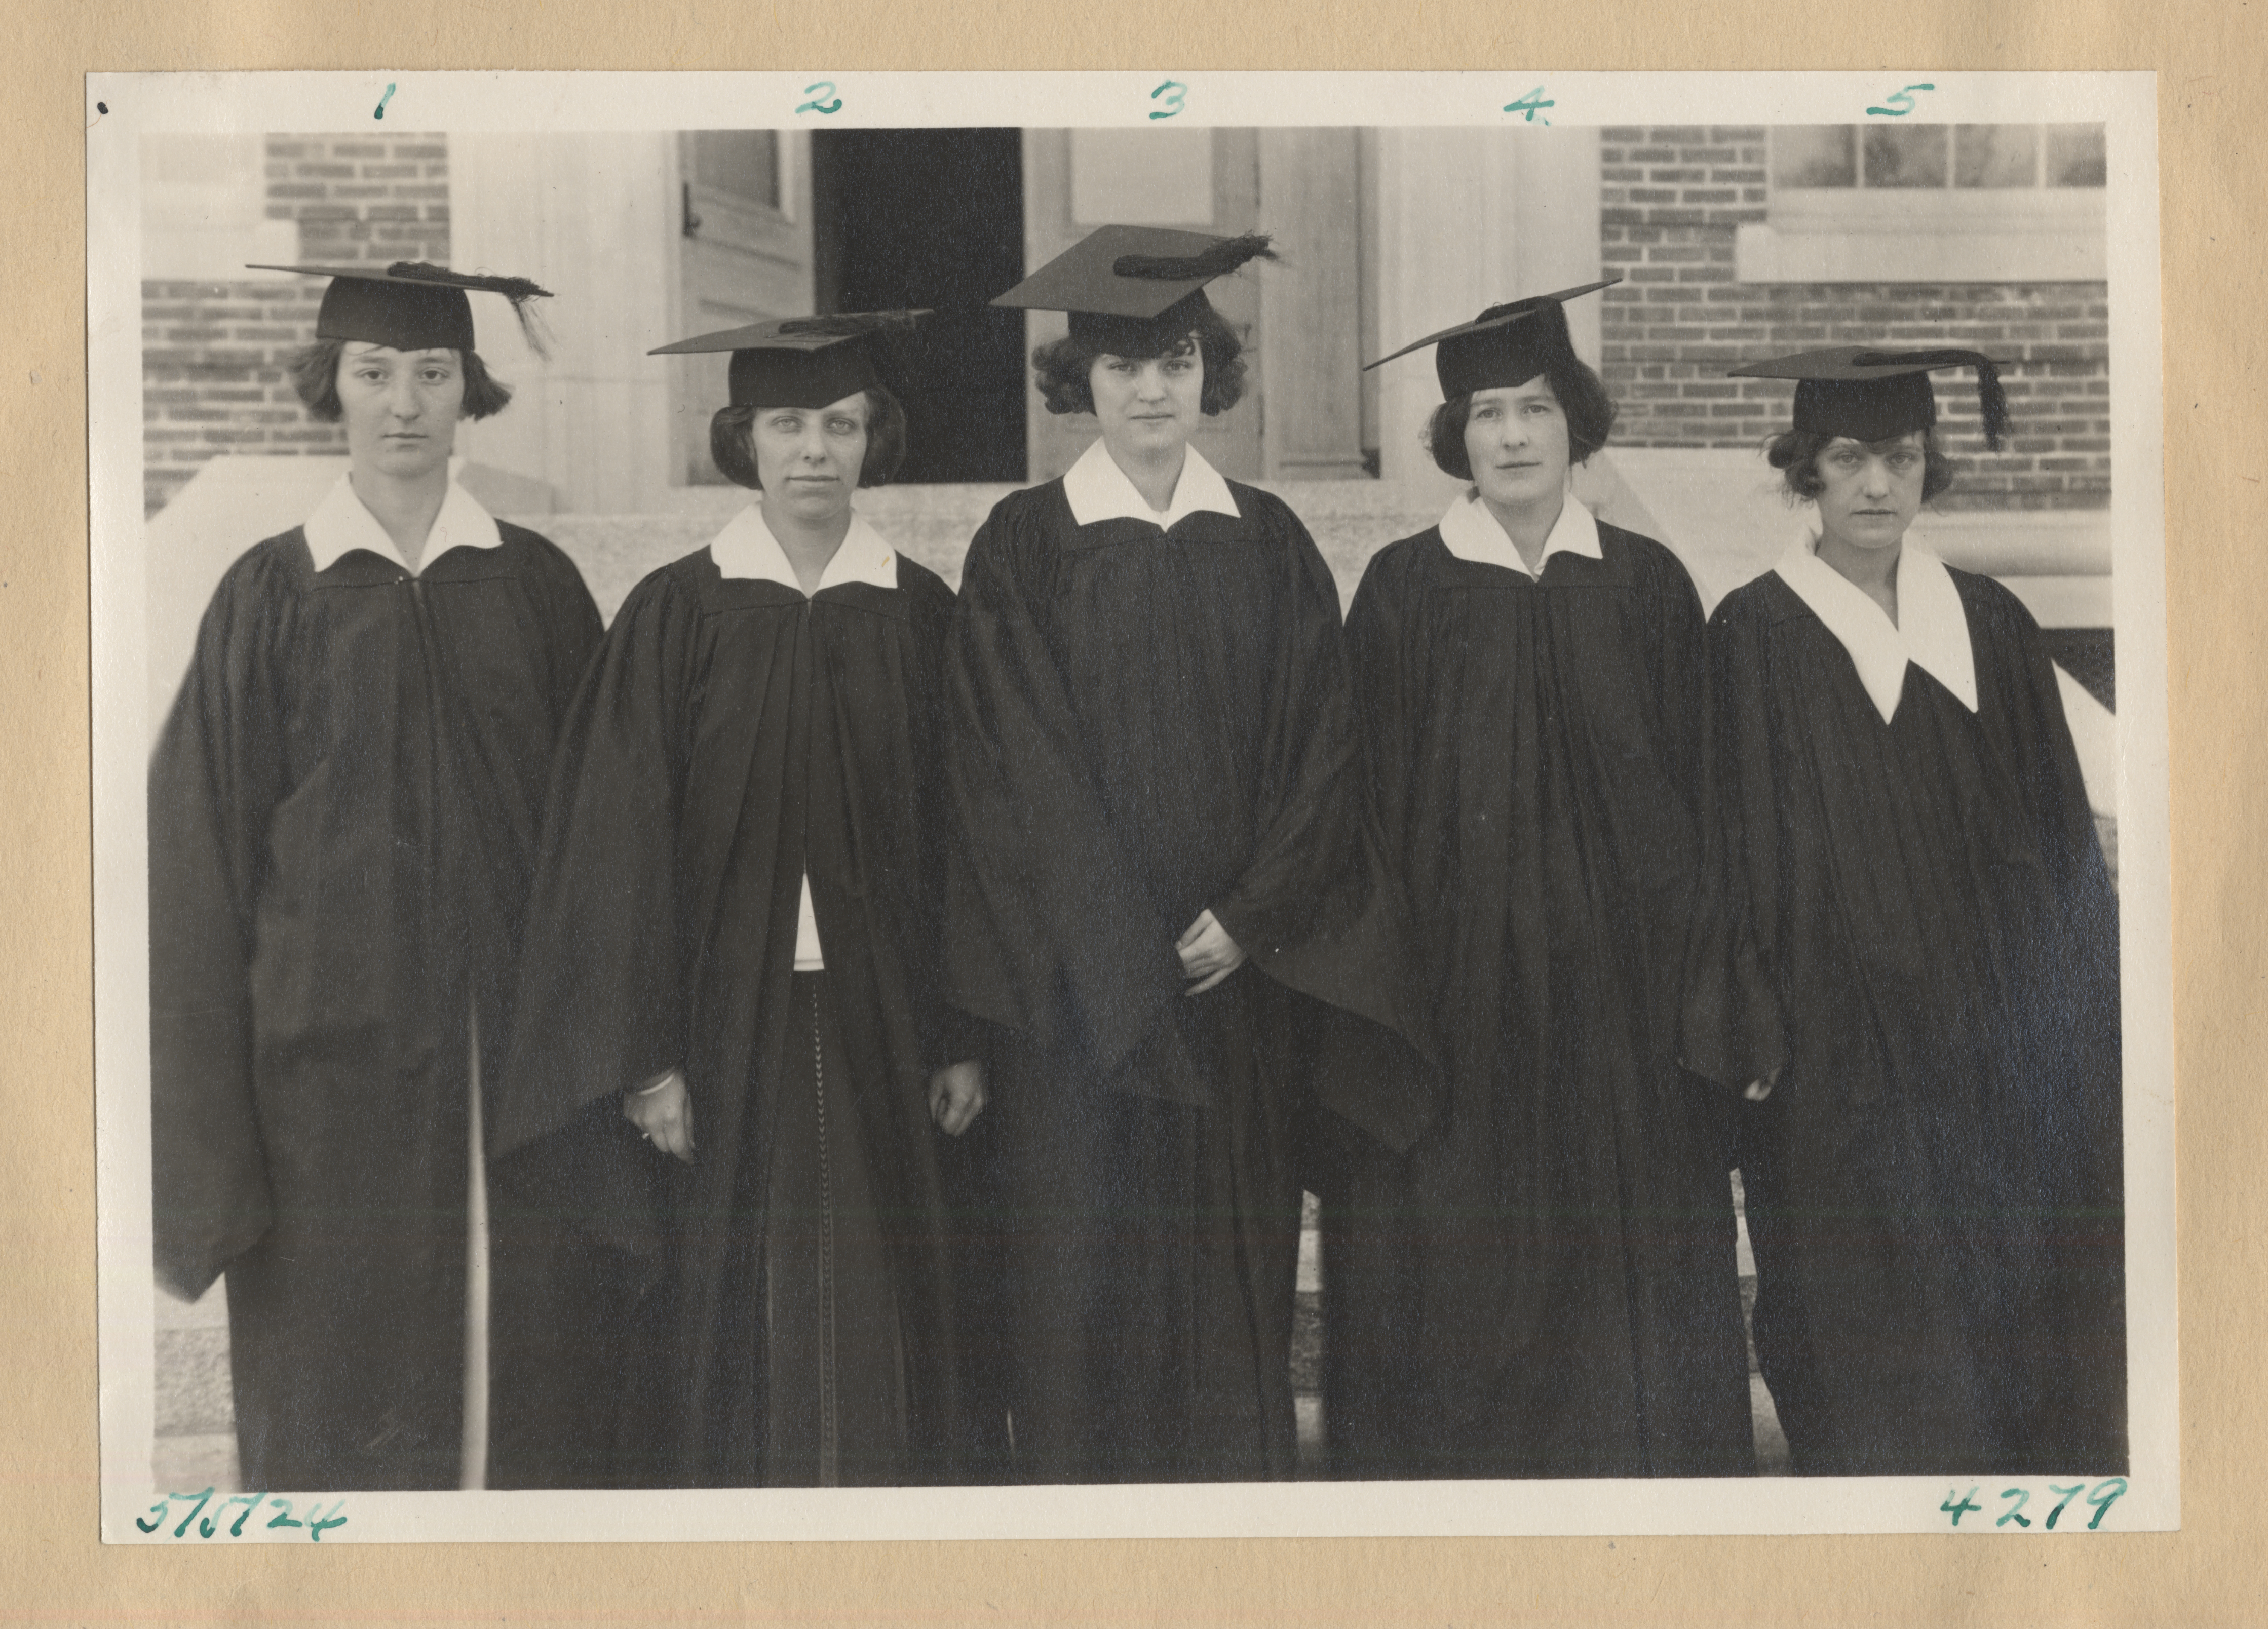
[
  {"x": 823, "y": 99},
  {"x": 1173, "y": 91},
  {"x": 1901, "y": 104},
  {"x": 161, "y": 1510}
]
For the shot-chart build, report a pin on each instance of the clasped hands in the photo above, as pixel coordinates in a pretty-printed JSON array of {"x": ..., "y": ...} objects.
[{"x": 1208, "y": 954}]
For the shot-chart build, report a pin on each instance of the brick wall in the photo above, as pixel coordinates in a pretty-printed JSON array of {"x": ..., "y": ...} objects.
[
  {"x": 214, "y": 355},
  {"x": 1672, "y": 199}
]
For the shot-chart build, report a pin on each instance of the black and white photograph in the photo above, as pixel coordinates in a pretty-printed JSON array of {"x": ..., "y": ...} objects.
[{"x": 1272, "y": 804}]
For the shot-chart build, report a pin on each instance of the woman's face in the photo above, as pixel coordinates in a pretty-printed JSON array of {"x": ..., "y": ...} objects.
[
  {"x": 1516, "y": 441},
  {"x": 808, "y": 459},
  {"x": 1870, "y": 491},
  {"x": 1148, "y": 406},
  {"x": 400, "y": 407}
]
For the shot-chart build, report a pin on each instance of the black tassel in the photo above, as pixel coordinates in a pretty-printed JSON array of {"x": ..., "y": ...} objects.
[
  {"x": 1992, "y": 403},
  {"x": 519, "y": 290},
  {"x": 849, "y": 324},
  {"x": 1216, "y": 260}
]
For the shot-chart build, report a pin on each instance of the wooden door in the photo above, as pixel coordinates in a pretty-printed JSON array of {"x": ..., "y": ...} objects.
[
  {"x": 1199, "y": 181},
  {"x": 745, "y": 218}
]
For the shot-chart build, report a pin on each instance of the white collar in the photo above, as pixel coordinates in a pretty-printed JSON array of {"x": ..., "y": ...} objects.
[
  {"x": 1473, "y": 532},
  {"x": 343, "y": 522},
  {"x": 747, "y": 549},
  {"x": 1931, "y": 631},
  {"x": 1098, "y": 489}
]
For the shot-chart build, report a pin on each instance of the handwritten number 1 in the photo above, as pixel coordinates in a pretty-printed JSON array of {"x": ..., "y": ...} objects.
[
  {"x": 823, "y": 99},
  {"x": 1173, "y": 91},
  {"x": 1901, "y": 103}
]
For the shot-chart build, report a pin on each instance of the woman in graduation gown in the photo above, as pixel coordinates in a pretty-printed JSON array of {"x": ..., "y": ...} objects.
[
  {"x": 737, "y": 951},
  {"x": 1545, "y": 1286},
  {"x": 1932, "y": 1158},
  {"x": 1164, "y": 885},
  {"x": 343, "y": 808}
]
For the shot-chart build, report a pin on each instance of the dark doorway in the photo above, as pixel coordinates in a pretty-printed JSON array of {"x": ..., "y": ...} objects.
[{"x": 934, "y": 218}]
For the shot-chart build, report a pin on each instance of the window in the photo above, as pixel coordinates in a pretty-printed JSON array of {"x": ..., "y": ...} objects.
[{"x": 1931, "y": 204}]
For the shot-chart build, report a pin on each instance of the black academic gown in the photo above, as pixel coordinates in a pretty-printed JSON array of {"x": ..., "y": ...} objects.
[
  {"x": 1546, "y": 1286},
  {"x": 1934, "y": 1184},
  {"x": 343, "y": 812},
  {"x": 1145, "y": 726},
  {"x": 731, "y": 735}
]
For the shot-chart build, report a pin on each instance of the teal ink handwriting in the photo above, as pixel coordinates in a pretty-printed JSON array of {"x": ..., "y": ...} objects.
[
  {"x": 379, "y": 111},
  {"x": 1528, "y": 106},
  {"x": 318, "y": 1522},
  {"x": 2022, "y": 1496},
  {"x": 1901, "y": 102},
  {"x": 823, "y": 99},
  {"x": 1959, "y": 1510},
  {"x": 2069, "y": 1493},
  {"x": 2105, "y": 1494},
  {"x": 1173, "y": 91}
]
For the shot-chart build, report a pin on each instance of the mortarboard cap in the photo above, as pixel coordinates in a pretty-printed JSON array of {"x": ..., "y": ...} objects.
[
  {"x": 1134, "y": 289},
  {"x": 413, "y": 305},
  {"x": 1870, "y": 394},
  {"x": 1506, "y": 345},
  {"x": 798, "y": 362}
]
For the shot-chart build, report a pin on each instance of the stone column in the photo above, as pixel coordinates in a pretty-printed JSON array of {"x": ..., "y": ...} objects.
[{"x": 592, "y": 217}]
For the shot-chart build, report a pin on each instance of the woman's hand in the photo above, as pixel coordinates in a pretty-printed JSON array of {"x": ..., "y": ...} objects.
[
  {"x": 956, "y": 1096},
  {"x": 1208, "y": 954},
  {"x": 663, "y": 1109}
]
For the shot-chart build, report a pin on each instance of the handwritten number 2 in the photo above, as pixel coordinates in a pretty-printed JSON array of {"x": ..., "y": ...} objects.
[
  {"x": 2022, "y": 1496},
  {"x": 823, "y": 99},
  {"x": 285, "y": 1520},
  {"x": 1901, "y": 104},
  {"x": 1173, "y": 91}
]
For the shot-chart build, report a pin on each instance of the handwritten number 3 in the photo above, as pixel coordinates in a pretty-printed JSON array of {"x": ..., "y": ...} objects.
[
  {"x": 1173, "y": 91},
  {"x": 823, "y": 99}
]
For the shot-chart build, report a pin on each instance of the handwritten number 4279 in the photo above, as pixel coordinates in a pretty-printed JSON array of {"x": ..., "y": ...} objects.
[
  {"x": 2106, "y": 1493},
  {"x": 318, "y": 1522}
]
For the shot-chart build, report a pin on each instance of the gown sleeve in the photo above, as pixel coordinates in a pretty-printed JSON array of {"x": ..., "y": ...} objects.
[
  {"x": 1732, "y": 1030},
  {"x": 602, "y": 997},
  {"x": 215, "y": 781},
  {"x": 1018, "y": 785}
]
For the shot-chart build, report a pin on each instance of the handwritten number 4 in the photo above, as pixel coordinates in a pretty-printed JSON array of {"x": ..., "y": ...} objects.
[
  {"x": 823, "y": 99},
  {"x": 1528, "y": 106},
  {"x": 1957, "y": 1511},
  {"x": 1901, "y": 105}
]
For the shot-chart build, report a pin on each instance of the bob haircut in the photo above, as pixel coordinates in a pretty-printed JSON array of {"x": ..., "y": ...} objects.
[
  {"x": 731, "y": 446},
  {"x": 1582, "y": 396},
  {"x": 1795, "y": 454},
  {"x": 1064, "y": 367},
  {"x": 315, "y": 376}
]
